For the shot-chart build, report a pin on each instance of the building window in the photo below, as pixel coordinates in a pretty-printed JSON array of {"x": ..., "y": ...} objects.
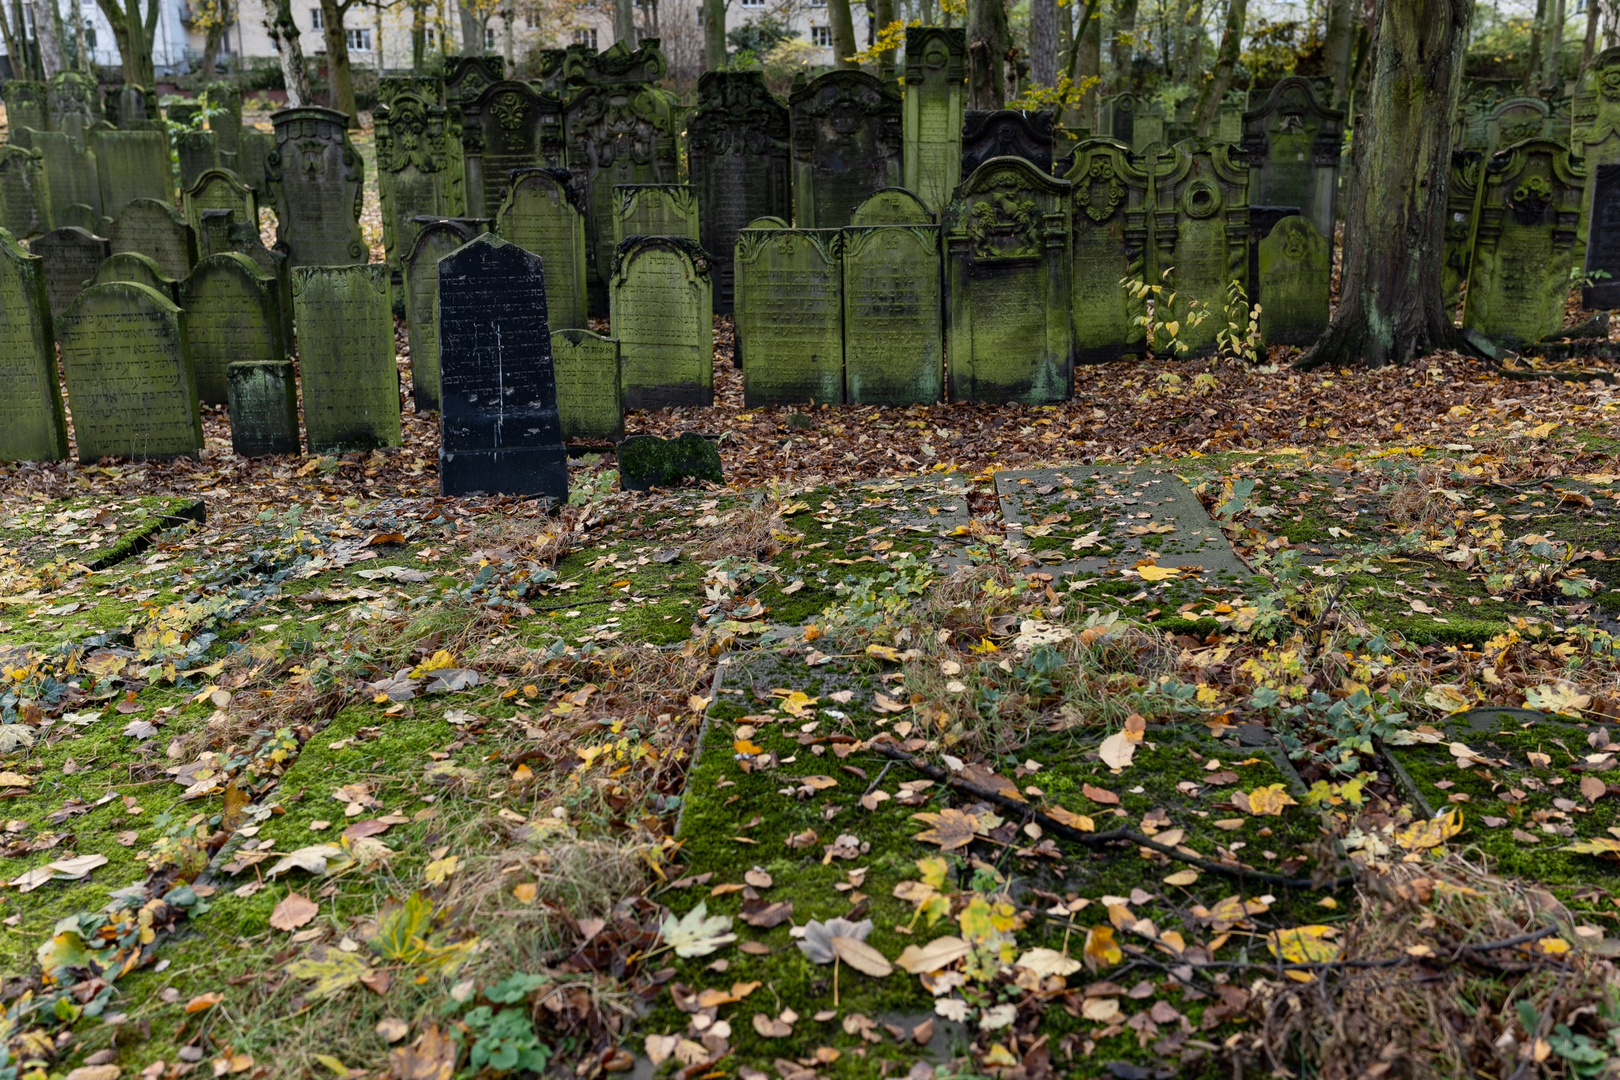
[
  {"x": 28, "y": 23},
  {"x": 359, "y": 40},
  {"x": 489, "y": 38},
  {"x": 531, "y": 20},
  {"x": 430, "y": 37},
  {"x": 585, "y": 35},
  {"x": 822, "y": 36},
  {"x": 753, "y": 3},
  {"x": 315, "y": 22}
]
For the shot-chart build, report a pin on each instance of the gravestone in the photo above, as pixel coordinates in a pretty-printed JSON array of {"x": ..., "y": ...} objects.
[
  {"x": 661, "y": 307},
  {"x": 253, "y": 160},
  {"x": 769, "y": 222},
  {"x": 936, "y": 73},
  {"x": 509, "y": 126},
  {"x": 790, "y": 316},
  {"x": 33, "y": 426},
  {"x": 219, "y": 189},
  {"x": 134, "y": 267},
  {"x": 654, "y": 210},
  {"x": 1296, "y": 271},
  {"x": 1294, "y": 142},
  {"x": 264, "y": 407},
  {"x": 233, "y": 313},
  {"x": 421, "y": 276},
  {"x": 429, "y": 88},
  {"x": 847, "y": 140},
  {"x": 71, "y": 175},
  {"x": 184, "y": 113},
  {"x": 590, "y": 398},
  {"x": 226, "y": 122},
  {"x": 996, "y": 133},
  {"x": 1598, "y": 145},
  {"x": 197, "y": 154},
  {"x": 647, "y": 462},
  {"x": 1118, "y": 118},
  {"x": 500, "y": 429},
  {"x": 26, "y": 109},
  {"x": 1463, "y": 192},
  {"x": 72, "y": 99},
  {"x": 1602, "y": 264},
  {"x": 893, "y": 315},
  {"x": 1109, "y": 233},
  {"x": 158, "y": 231},
  {"x": 1200, "y": 232},
  {"x": 132, "y": 107},
  {"x": 132, "y": 165},
  {"x": 128, "y": 373},
  {"x": 1524, "y": 246},
  {"x": 738, "y": 148},
  {"x": 1006, "y": 232},
  {"x": 222, "y": 235},
  {"x": 346, "y": 357},
  {"x": 893, "y": 206},
  {"x": 1229, "y": 123},
  {"x": 544, "y": 213},
  {"x": 1516, "y": 119},
  {"x": 412, "y": 169},
  {"x": 71, "y": 256},
  {"x": 468, "y": 76},
  {"x": 25, "y": 202},
  {"x": 316, "y": 181}
]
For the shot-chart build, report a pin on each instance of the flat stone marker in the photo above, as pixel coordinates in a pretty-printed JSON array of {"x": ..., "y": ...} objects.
[
  {"x": 219, "y": 189},
  {"x": 346, "y": 357},
  {"x": 894, "y": 206},
  {"x": 264, "y": 407},
  {"x": 590, "y": 396},
  {"x": 233, "y": 314},
  {"x": 128, "y": 373},
  {"x": 132, "y": 165},
  {"x": 32, "y": 424},
  {"x": 157, "y": 231},
  {"x": 135, "y": 267},
  {"x": 661, "y": 315},
  {"x": 893, "y": 316},
  {"x": 70, "y": 173},
  {"x": 647, "y": 462},
  {"x": 421, "y": 272},
  {"x": 25, "y": 202},
  {"x": 317, "y": 182},
  {"x": 936, "y": 72},
  {"x": 654, "y": 210},
  {"x": 545, "y": 213},
  {"x": 499, "y": 426},
  {"x": 71, "y": 256},
  {"x": 790, "y": 316},
  {"x": 1296, "y": 271},
  {"x": 847, "y": 142}
]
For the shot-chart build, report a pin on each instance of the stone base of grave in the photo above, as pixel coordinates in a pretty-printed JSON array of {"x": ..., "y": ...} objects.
[
  {"x": 264, "y": 407},
  {"x": 537, "y": 470},
  {"x": 671, "y": 396}
]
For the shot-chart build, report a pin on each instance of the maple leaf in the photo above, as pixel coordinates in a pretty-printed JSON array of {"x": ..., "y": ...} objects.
[
  {"x": 1270, "y": 800},
  {"x": 950, "y": 828},
  {"x": 405, "y": 933},
  {"x": 1601, "y": 846},
  {"x": 1101, "y": 948},
  {"x": 1431, "y": 832},
  {"x": 817, "y": 942},
  {"x": 697, "y": 933},
  {"x": 1303, "y": 945}
]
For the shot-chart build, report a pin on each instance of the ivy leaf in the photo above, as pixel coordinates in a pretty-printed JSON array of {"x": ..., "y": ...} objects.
[
  {"x": 697, "y": 933},
  {"x": 331, "y": 970}
]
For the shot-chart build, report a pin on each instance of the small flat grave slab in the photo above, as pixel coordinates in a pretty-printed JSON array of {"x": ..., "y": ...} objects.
[{"x": 97, "y": 532}]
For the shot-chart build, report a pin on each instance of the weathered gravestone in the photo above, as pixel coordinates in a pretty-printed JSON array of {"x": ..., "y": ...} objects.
[
  {"x": 233, "y": 313},
  {"x": 1463, "y": 192},
  {"x": 132, "y": 165},
  {"x": 646, "y": 462},
  {"x": 1293, "y": 142},
  {"x": 1200, "y": 233},
  {"x": 1597, "y": 140},
  {"x": 847, "y": 141},
  {"x": 1109, "y": 236},
  {"x": 70, "y": 175},
  {"x": 544, "y": 213},
  {"x": 1602, "y": 264},
  {"x": 128, "y": 373},
  {"x": 1229, "y": 122},
  {"x": 1296, "y": 271},
  {"x": 158, "y": 231},
  {"x": 226, "y": 122},
  {"x": 221, "y": 234},
  {"x": 219, "y": 189},
  {"x": 936, "y": 72},
  {"x": 132, "y": 107},
  {"x": 316, "y": 181},
  {"x": 893, "y": 206},
  {"x": 430, "y": 88},
  {"x": 1525, "y": 243},
  {"x": 264, "y": 407},
  {"x": 997, "y": 133},
  {"x": 893, "y": 315},
  {"x": 738, "y": 146},
  {"x": 134, "y": 267},
  {"x": 590, "y": 397},
  {"x": 196, "y": 153},
  {"x": 412, "y": 169},
  {"x": 33, "y": 426},
  {"x": 25, "y": 202},
  {"x": 500, "y": 430},
  {"x": 790, "y": 316},
  {"x": 26, "y": 110},
  {"x": 654, "y": 210},
  {"x": 253, "y": 160},
  {"x": 184, "y": 113},
  {"x": 72, "y": 102},
  {"x": 661, "y": 305},
  {"x": 1008, "y": 336},
  {"x": 421, "y": 274},
  {"x": 509, "y": 126},
  {"x": 71, "y": 256},
  {"x": 1132, "y": 119},
  {"x": 1516, "y": 119},
  {"x": 346, "y": 357}
]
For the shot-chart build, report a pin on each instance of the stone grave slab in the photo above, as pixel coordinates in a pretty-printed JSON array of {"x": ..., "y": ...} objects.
[
  {"x": 158, "y": 231},
  {"x": 590, "y": 396},
  {"x": 220, "y": 235},
  {"x": 135, "y": 267},
  {"x": 991, "y": 133},
  {"x": 132, "y": 165},
  {"x": 847, "y": 144},
  {"x": 131, "y": 106},
  {"x": 661, "y": 316},
  {"x": 509, "y": 125},
  {"x": 197, "y": 153},
  {"x": 71, "y": 174},
  {"x": 73, "y": 102},
  {"x": 545, "y": 213},
  {"x": 219, "y": 189},
  {"x": 128, "y": 374},
  {"x": 421, "y": 272},
  {"x": 413, "y": 169},
  {"x": 654, "y": 210},
  {"x": 893, "y": 315},
  {"x": 263, "y": 397},
  {"x": 893, "y": 206},
  {"x": 96, "y": 531},
  {"x": 26, "y": 109},
  {"x": 1110, "y": 236},
  {"x": 71, "y": 257},
  {"x": 500, "y": 431},
  {"x": 346, "y": 357},
  {"x": 790, "y": 316},
  {"x": 1296, "y": 270},
  {"x": 1603, "y": 237},
  {"x": 1294, "y": 142},
  {"x": 32, "y": 424},
  {"x": 252, "y": 161},
  {"x": 316, "y": 180},
  {"x": 233, "y": 315},
  {"x": 226, "y": 123},
  {"x": 25, "y": 201},
  {"x": 1200, "y": 232},
  {"x": 936, "y": 72}
]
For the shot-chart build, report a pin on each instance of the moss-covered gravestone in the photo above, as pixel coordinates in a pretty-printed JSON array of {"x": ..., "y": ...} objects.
[
  {"x": 1596, "y": 141},
  {"x": 225, "y": 99},
  {"x": 654, "y": 210},
  {"x": 737, "y": 144},
  {"x": 233, "y": 313},
  {"x": 263, "y": 397},
  {"x": 131, "y": 106},
  {"x": 1296, "y": 270},
  {"x": 157, "y": 231},
  {"x": 71, "y": 257},
  {"x": 544, "y": 213},
  {"x": 218, "y": 189},
  {"x": 32, "y": 424},
  {"x": 70, "y": 174},
  {"x": 132, "y": 165},
  {"x": 1515, "y": 119},
  {"x": 893, "y": 206},
  {"x": 893, "y": 315},
  {"x": 1117, "y": 117},
  {"x": 346, "y": 356},
  {"x": 510, "y": 125},
  {"x": 26, "y": 111},
  {"x": 1200, "y": 232},
  {"x": 73, "y": 102},
  {"x": 196, "y": 153},
  {"x": 1294, "y": 142},
  {"x": 253, "y": 160},
  {"x": 848, "y": 135},
  {"x": 1110, "y": 233},
  {"x": 590, "y": 397},
  {"x": 25, "y": 203},
  {"x": 135, "y": 267},
  {"x": 1525, "y": 243},
  {"x": 790, "y": 316},
  {"x": 1463, "y": 192},
  {"x": 936, "y": 71},
  {"x": 421, "y": 273},
  {"x": 413, "y": 169},
  {"x": 992, "y": 133},
  {"x": 1006, "y": 235},
  {"x": 661, "y": 305},
  {"x": 646, "y": 462},
  {"x": 128, "y": 373},
  {"x": 499, "y": 427},
  {"x": 317, "y": 184}
]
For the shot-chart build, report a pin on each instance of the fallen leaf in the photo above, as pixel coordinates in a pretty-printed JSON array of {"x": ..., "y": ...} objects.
[
  {"x": 391, "y": 1029},
  {"x": 937, "y": 954},
  {"x": 951, "y": 828},
  {"x": 1268, "y": 801},
  {"x": 1117, "y": 750},
  {"x": 770, "y": 1028},
  {"x": 293, "y": 912},
  {"x": 1046, "y": 962},
  {"x": 862, "y": 957},
  {"x": 1593, "y": 789},
  {"x": 431, "y": 1057},
  {"x": 1100, "y": 796},
  {"x": 203, "y": 1002},
  {"x": 697, "y": 933}
]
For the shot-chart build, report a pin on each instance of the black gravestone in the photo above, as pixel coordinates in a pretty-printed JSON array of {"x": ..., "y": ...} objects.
[
  {"x": 500, "y": 432},
  {"x": 996, "y": 133},
  {"x": 1603, "y": 241}
]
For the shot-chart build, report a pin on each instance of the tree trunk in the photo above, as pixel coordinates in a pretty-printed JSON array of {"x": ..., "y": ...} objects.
[
  {"x": 1123, "y": 48},
  {"x": 842, "y": 24},
  {"x": 1209, "y": 99},
  {"x": 987, "y": 54},
  {"x": 509, "y": 34},
  {"x": 1336, "y": 49},
  {"x": 1085, "y": 61},
  {"x": 1043, "y": 42},
  {"x": 13, "y": 39},
  {"x": 339, "y": 75},
  {"x": 714, "y": 35},
  {"x": 1552, "y": 64},
  {"x": 1532, "y": 69},
  {"x": 1390, "y": 307},
  {"x": 472, "y": 30},
  {"x": 81, "y": 50},
  {"x": 278, "y": 23},
  {"x": 624, "y": 22},
  {"x": 49, "y": 41},
  {"x": 883, "y": 13},
  {"x": 133, "y": 35},
  {"x": 418, "y": 36},
  {"x": 1589, "y": 43}
]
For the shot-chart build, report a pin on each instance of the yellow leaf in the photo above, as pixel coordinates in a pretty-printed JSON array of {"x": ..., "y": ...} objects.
[
  {"x": 1072, "y": 820},
  {"x": 438, "y": 661},
  {"x": 1270, "y": 800},
  {"x": 12, "y": 779},
  {"x": 1182, "y": 877},
  {"x": 337, "y": 1066},
  {"x": 951, "y": 828},
  {"x": 1158, "y": 573},
  {"x": 1553, "y": 946},
  {"x": 439, "y": 870},
  {"x": 933, "y": 870},
  {"x": 1448, "y": 698},
  {"x": 526, "y": 892},
  {"x": 884, "y": 652},
  {"x": 798, "y": 703},
  {"x": 1303, "y": 945},
  {"x": 1432, "y": 832},
  {"x": 746, "y": 746},
  {"x": 1101, "y": 947}
]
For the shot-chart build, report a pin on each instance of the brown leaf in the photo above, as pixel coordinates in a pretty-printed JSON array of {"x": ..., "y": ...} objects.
[
  {"x": 923, "y": 1033},
  {"x": 771, "y": 1029},
  {"x": 392, "y": 1029},
  {"x": 431, "y": 1057},
  {"x": 758, "y": 878},
  {"x": 203, "y": 1002},
  {"x": 377, "y": 980},
  {"x": 293, "y": 912},
  {"x": 368, "y": 827},
  {"x": 1100, "y": 796},
  {"x": 862, "y": 957},
  {"x": 951, "y": 828},
  {"x": 1593, "y": 789},
  {"x": 765, "y": 916}
]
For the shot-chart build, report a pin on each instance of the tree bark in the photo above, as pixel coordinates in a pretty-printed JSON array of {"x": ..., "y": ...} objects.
[
  {"x": 283, "y": 31},
  {"x": 133, "y": 34},
  {"x": 1123, "y": 48},
  {"x": 340, "y": 77},
  {"x": 1532, "y": 69},
  {"x": 1336, "y": 49},
  {"x": 842, "y": 23},
  {"x": 1390, "y": 307},
  {"x": 1085, "y": 60},
  {"x": 987, "y": 54},
  {"x": 1209, "y": 98},
  {"x": 473, "y": 21},
  {"x": 1589, "y": 43},
  {"x": 1552, "y": 64},
  {"x": 714, "y": 35},
  {"x": 624, "y": 22},
  {"x": 219, "y": 21},
  {"x": 1043, "y": 42},
  {"x": 45, "y": 35},
  {"x": 81, "y": 50},
  {"x": 418, "y": 36},
  {"x": 14, "y": 39},
  {"x": 884, "y": 15}
]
